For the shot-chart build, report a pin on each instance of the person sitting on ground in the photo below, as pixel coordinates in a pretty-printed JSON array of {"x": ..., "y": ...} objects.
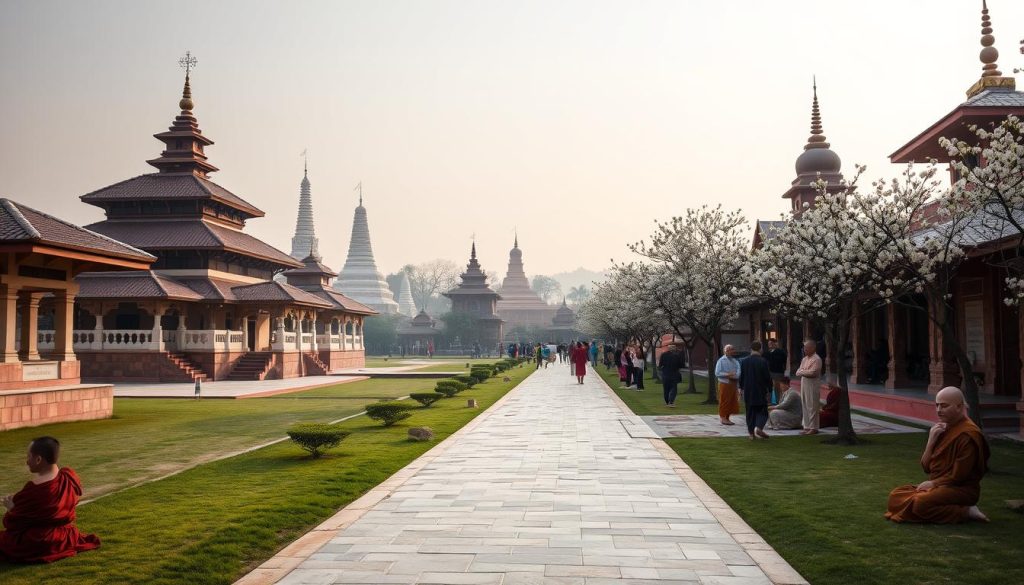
[
  {"x": 829, "y": 416},
  {"x": 39, "y": 526},
  {"x": 955, "y": 459},
  {"x": 787, "y": 414}
]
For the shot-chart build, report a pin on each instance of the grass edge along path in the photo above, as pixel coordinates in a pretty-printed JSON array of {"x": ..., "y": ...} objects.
[{"x": 213, "y": 523}]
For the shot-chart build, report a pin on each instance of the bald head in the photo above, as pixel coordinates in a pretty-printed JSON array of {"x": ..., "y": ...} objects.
[{"x": 949, "y": 405}]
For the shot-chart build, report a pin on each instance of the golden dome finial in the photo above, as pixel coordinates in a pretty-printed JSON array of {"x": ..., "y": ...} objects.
[{"x": 188, "y": 63}]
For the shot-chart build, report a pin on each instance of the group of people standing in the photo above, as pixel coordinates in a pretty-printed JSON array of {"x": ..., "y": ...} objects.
[
  {"x": 629, "y": 360},
  {"x": 771, "y": 402},
  {"x": 577, "y": 354}
]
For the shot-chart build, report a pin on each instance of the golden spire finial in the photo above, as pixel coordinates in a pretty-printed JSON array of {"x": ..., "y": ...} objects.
[
  {"x": 991, "y": 77},
  {"x": 188, "y": 62}
]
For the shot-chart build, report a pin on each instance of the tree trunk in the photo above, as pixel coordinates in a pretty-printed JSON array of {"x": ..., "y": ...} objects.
[
  {"x": 712, "y": 380},
  {"x": 689, "y": 366},
  {"x": 839, "y": 332},
  {"x": 968, "y": 384},
  {"x": 654, "y": 360}
]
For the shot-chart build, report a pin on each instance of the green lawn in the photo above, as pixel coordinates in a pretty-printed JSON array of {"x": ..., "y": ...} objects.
[
  {"x": 211, "y": 524},
  {"x": 651, "y": 401},
  {"x": 823, "y": 513},
  {"x": 150, "y": 437}
]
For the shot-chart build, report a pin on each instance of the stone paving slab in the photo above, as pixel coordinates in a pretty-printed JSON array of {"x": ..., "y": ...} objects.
[
  {"x": 709, "y": 425},
  {"x": 546, "y": 487}
]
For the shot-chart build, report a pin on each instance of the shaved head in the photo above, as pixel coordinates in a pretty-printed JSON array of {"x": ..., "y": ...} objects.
[{"x": 949, "y": 405}]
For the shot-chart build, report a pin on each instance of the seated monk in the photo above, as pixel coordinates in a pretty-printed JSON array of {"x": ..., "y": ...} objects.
[
  {"x": 829, "y": 415},
  {"x": 955, "y": 459},
  {"x": 39, "y": 526}
]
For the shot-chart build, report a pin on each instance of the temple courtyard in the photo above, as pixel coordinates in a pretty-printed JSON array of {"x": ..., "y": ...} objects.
[{"x": 546, "y": 481}]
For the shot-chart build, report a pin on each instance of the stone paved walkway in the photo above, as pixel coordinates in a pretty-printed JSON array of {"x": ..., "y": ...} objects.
[{"x": 546, "y": 487}]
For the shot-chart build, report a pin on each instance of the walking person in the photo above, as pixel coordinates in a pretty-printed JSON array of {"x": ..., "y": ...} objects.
[
  {"x": 756, "y": 382},
  {"x": 810, "y": 387},
  {"x": 579, "y": 354},
  {"x": 670, "y": 364},
  {"x": 539, "y": 354},
  {"x": 592, "y": 351},
  {"x": 727, "y": 371}
]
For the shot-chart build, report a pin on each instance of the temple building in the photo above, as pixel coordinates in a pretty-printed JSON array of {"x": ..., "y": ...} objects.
[
  {"x": 475, "y": 297},
  {"x": 406, "y": 304},
  {"x": 40, "y": 374},
  {"x": 898, "y": 355},
  {"x": 208, "y": 308},
  {"x": 521, "y": 307},
  {"x": 360, "y": 279},
  {"x": 304, "y": 242},
  {"x": 419, "y": 335},
  {"x": 562, "y": 327}
]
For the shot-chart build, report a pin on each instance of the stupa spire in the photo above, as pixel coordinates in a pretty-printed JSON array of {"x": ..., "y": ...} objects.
[
  {"x": 817, "y": 138},
  {"x": 991, "y": 76},
  {"x": 305, "y": 242},
  {"x": 360, "y": 279},
  {"x": 406, "y": 304},
  {"x": 184, "y": 141}
]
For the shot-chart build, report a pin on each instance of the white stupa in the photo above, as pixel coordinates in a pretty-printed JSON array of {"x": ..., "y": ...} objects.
[
  {"x": 359, "y": 279},
  {"x": 406, "y": 304},
  {"x": 304, "y": 242}
]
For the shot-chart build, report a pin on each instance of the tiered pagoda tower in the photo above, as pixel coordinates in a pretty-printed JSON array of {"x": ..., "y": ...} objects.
[
  {"x": 360, "y": 279},
  {"x": 520, "y": 306},
  {"x": 475, "y": 297},
  {"x": 817, "y": 161},
  {"x": 304, "y": 242}
]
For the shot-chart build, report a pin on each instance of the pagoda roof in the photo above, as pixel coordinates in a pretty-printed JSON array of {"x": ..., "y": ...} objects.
[
  {"x": 988, "y": 106},
  {"x": 312, "y": 265},
  {"x": 136, "y": 284},
  {"x": 23, "y": 224},
  {"x": 342, "y": 302},
  {"x": 169, "y": 186},
  {"x": 273, "y": 291},
  {"x": 192, "y": 234}
]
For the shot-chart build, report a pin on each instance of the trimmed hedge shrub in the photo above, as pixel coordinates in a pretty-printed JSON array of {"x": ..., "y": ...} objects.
[
  {"x": 449, "y": 387},
  {"x": 389, "y": 412},
  {"x": 467, "y": 380},
  {"x": 315, "y": 437},
  {"x": 479, "y": 376},
  {"x": 427, "y": 398}
]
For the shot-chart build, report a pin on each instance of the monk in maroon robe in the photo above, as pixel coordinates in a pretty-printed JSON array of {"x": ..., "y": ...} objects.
[
  {"x": 955, "y": 459},
  {"x": 39, "y": 526},
  {"x": 579, "y": 361}
]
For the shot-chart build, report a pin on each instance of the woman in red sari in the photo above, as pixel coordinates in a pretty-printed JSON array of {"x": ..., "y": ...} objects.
[
  {"x": 39, "y": 526},
  {"x": 579, "y": 361}
]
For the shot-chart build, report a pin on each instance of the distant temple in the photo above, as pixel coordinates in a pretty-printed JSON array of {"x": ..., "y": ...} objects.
[
  {"x": 520, "y": 306},
  {"x": 406, "y": 304},
  {"x": 562, "y": 327},
  {"x": 304, "y": 242},
  {"x": 208, "y": 308},
  {"x": 474, "y": 297},
  {"x": 360, "y": 279}
]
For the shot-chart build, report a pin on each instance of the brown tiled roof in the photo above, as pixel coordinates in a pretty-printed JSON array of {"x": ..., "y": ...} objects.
[
  {"x": 312, "y": 266},
  {"x": 344, "y": 303},
  {"x": 193, "y": 235},
  {"x": 273, "y": 291},
  {"x": 156, "y": 186},
  {"x": 141, "y": 284},
  {"x": 211, "y": 288},
  {"x": 19, "y": 223}
]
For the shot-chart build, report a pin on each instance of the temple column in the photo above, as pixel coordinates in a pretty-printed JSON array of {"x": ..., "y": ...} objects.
[
  {"x": 97, "y": 331},
  {"x": 896, "y": 326},
  {"x": 181, "y": 331},
  {"x": 158, "y": 329},
  {"x": 8, "y": 321},
  {"x": 313, "y": 345},
  {"x": 64, "y": 326},
  {"x": 942, "y": 369},
  {"x": 858, "y": 329},
  {"x": 30, "y": 326}
]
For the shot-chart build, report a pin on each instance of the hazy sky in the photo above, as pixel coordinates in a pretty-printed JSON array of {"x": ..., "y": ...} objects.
[{"x": 577, "y": 122}]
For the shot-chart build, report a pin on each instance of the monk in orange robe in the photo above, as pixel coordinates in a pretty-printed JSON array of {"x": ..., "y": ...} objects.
[
  {"x": 955, "y": 459},
  {"x": 39, "y": 526}
]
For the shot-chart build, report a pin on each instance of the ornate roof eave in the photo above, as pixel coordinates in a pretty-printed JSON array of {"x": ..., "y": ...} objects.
[{"x": 954, "y": 125}]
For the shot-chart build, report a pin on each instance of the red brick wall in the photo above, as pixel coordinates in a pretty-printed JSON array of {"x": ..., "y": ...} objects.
[
  {"x": 11, "y": 374},
  {"x": 38, "y": 407},
  {"x": 338, "y": 359},
  {"x": 284, "y": 365}
]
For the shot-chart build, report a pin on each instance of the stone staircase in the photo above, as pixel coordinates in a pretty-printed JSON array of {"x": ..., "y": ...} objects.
[
  {"x": 251, "y": 366},
  {"x": 187, "y": 367},
  {"x": 314, "y": 367}
]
